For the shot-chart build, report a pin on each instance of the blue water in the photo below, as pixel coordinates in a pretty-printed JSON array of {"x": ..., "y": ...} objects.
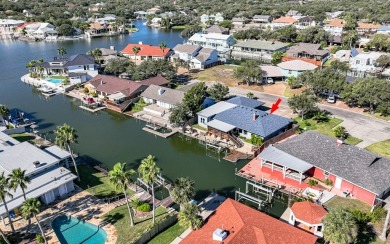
[
  {"x": 55, "y": 81},
  {"x": 70, "y": 230}
]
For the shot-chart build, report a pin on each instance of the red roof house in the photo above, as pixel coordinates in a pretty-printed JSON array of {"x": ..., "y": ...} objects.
[
  {"x": 234, "y": 222},
  {"x": 308, "y": 216},
  {"x": 145, "y": 52}
]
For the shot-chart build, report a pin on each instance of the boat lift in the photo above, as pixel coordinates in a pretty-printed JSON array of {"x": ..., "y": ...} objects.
[{"x": 240, "y": 195}]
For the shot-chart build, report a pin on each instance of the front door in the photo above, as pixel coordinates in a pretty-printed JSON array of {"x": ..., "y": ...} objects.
[{"x": 337, "y": 184}]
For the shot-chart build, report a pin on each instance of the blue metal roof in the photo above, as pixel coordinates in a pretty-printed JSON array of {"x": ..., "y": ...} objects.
[
  {"x": 244, "y": 101},
  {"x": 384, "y": 28},
  {"x": 354, "y": 52},
  {"x": 242, "y": 117}
]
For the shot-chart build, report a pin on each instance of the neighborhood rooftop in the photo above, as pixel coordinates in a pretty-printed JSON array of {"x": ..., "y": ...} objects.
[
  {"x": 163, "y": 94},
  {"x": 112, "y": 84},
  {"x": 353, "y": 164},
  {"x": 264, "y": 45},
  {"x": 244, "y": 101}
]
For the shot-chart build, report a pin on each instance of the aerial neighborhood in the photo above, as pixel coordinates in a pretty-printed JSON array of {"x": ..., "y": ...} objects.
[{"x": 194, "y": 122}]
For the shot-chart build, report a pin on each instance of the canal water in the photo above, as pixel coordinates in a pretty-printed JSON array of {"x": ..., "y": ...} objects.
[{"x": 110, "y": 137}]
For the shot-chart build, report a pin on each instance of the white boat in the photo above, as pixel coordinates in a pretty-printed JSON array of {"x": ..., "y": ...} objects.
[{"x": 46, "y": 89}]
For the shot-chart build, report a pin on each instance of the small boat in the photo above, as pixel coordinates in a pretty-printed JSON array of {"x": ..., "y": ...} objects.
[{"x": 46, "y": 89}]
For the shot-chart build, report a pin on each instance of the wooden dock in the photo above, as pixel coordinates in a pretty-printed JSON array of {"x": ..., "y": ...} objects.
[
  {"x": 234, "y": 156},
  {"x": 92, "y": 110},
  {"x": 163, "y": 135}
]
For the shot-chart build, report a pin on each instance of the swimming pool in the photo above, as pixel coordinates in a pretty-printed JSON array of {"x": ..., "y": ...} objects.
[
  {"x": 55, "y": 81},
  {"x": 70, "y": 230}
]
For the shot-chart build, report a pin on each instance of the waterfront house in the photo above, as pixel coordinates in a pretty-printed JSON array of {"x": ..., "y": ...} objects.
[
  {"x": 118, "y": 93},
  {"x": 366, "y": 29},
  {"x": 295, "y": 67},
  {"x": 241, "y": 117},
  {"x": 383, "y": 30},
  {"x": 308, "y": 216},
  {"x": 107, "y": 54},
  {"x": 9, "y": 26},
  {"x": 335, "y": 27},
  {"x": 308, "y": 52},
  {"x": 257, "y": 49},
  {"x": 49, "y": 180},
  {"x": 163, "y": 97},
  {"x": 362, "y": 64},
  {"x": 213, "y": 18},
  {"x": 146, "y": 52},
  {"x": 79, "y": 68},
  {"x": 217, "y": 30},
  {"x": 234, "y": 222},
  {"x": 197, "y": 56},
  {"x": 263, "y": 19},
  {"x": 353, "y": 172},
  {"x": 220, "y": 42},
  {"x": 41, "y": 31}
]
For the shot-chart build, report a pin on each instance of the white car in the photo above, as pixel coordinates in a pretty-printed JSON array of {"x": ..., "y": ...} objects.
[
  {"x": 270, "y": 81},
  {"x": 331, "y": 99}
]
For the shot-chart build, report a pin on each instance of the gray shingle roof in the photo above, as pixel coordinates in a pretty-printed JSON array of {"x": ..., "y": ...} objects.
[
  {"x": 170, "y": 96},
  {"x": 244, "y": 101},
  {"x": 79, "y": 59},
  {"x": 309, "y": 48},
  {"x": 242, "y": 117},
  {"x": 264, "y": 45},
  {"x": 356, "y": 165},
  {"x": 186, "y": 48},
  {"x": 216, "y": 29}
]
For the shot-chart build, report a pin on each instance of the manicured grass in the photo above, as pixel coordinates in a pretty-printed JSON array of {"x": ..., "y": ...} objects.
[
  {"x": 168, "y": 235},
  {"x": 347, "y": 203},
  {"x": 179, "y": 27},
  {"x": 96, "y": 183},
  {"x": 291, "y": 92},
  {"x": 119, "y": 217},
  {"x": 325, "y": 128},
  {"x": 23, "y": 137},
  {"x": 382, "y": 148},
  {"x": 196, "y": 126}
]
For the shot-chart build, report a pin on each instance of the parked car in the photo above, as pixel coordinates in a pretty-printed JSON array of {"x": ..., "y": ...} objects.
[
  {"x": 270, "y": 81},
  {"x": 331, "y": 99}
]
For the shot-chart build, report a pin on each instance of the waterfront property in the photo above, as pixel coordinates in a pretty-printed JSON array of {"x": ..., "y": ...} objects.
[
  {"x": 145, "y": 52},
  {"x": 220, "y": 42},
  {"x": 350, "y": 171},
  {"x": 206, "y": 19},
  {"x": 8, "y": 27},
  {"x": 240, "y": 116},
  {"x": 49, "y": 180},
  {"x": 197, "y": 56},
  {"x": 234, "y": 222},
  {"x": 163, "y": 97},
  {"x": 308, "y": 52},
  {"x": 295, "y": 67},
  {"x": 257, "y": 49},
  {"x": 217, "y": 30},
  {"x": 308, "y": 216},
  {"x": 41, "y": 31}
]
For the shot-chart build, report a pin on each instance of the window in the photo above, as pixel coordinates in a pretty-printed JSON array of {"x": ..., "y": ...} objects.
[
  {"x": 202, "y": 120},
  {"x": 326, "y": 174},
  {"x": 292, "y": 217},
  {"x": 319, "y": 228},
  {"x": 357, "y": 61}
]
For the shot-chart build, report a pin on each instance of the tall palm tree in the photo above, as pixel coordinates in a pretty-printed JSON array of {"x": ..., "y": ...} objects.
[
  {"x": 136, "y": 50},
  {"x": 340, "y": 226},
  {"x": 31, "y": 65},
  {"x": 4, "y": 237},
  {"x": 4, "y": 112},
  {"x": 183, "y": 191},
  {"x": 96, "y": 54},
  {"x": 30, "y": 209},
  {"x": 149, "y": 171},
  {"x": 18, "y": 178},
  {"x": 65, "y": 135},
  {"x": 4, "y": 187},
  {"x": 163, "y": 46},
  {"x": 61, "y": 51},
  {"x": 121, "y": 178},
  {"x": 189, "y": 216}
]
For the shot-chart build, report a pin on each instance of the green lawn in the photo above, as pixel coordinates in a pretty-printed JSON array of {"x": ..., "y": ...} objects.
[
  {"x": 119, "y": 217},
  {"x": 382, "y": 148},
  {"x": 325, "y": 128},
  {"x": 96, "y": 183},
  {"x": 179, "y": 27},
  {"x": 196, "y": 126},
  {"x": 348, "y": 203},
  {"x": 168, "y": 235},
  {"x": 23, "y": 137}
]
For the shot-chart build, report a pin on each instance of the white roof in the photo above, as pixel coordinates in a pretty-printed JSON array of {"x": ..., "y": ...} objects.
[
  {"x": 116, "y": 96},
  {"x": 219, "y": 125},
  {"x": 10, "y": 22},
  {"x": 370, "y": 55},
  {"x": 6, "y": 141},
  {"x": 216, "y": 108},
  {"x": 38, "y": 186},
  {"x": 271, "y": 71},
  {"x": 23, "y": 155},
  {"x": 204, "y": 37},
  {"x": 298, "y": 65},
  {"x": 57, "y": 152}
]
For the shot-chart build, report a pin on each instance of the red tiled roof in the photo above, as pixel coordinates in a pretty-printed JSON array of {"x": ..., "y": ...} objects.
[
  {"x": 308, "y": 212},
  {"x": 26, "y": 24},
  {"x": 284, "y": 19},
  {"x": 112, "y": 84},
  {"x": 336, "y": 23},
  {"x": 146, "y": 50},
  {"x": 247, "y": 225},
  {"x": 367, "y": 26}
]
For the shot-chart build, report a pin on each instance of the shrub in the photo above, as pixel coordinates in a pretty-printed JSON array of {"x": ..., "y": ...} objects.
[
  {"x": 312, "y": 182},
  {"x": 377, "y": 214},
  {"x": 307, "y": 123},
  {"x": 361, "y": 217},
  {"x": 256, "y": 140},
  {"x": 328, "y": 182},
  {"x": 340, "y": 132},
  {"x": 85, "y": 90},
  {"x": 250, "y": 95},
  {"x": 40, "y": 238},
  {"x": 144, "y": 207}
]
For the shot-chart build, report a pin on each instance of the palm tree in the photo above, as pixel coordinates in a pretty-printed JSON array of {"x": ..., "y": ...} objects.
[
  {"x": 340, "y": 226},
  {"x": 121, "y": 178},
  {"x": 163, "y": 46},
  {"x": 4, "y": 237},
  {"x": 4, "y": 187},
  {"x": 31, "y": 66},
  {"x": 189, "y": 216},
  {"x": 65, "y": 135},
  {"x": 96, "y": 53},
  {"x": 149, "y": 171},
  {"x": 61, "y": 51},
  {"x": 18, "y": 178},
  {"x": 136, "y": 50},
  {"x": 4, "y": 112},
  {"x": 183, "y": 191},
  {"x": 30, "y": 209}
]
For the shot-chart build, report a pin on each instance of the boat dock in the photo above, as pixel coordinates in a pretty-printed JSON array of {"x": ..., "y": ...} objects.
[
  {"x": 234, "y": 156},
  {"x": 92, "y": 110}
]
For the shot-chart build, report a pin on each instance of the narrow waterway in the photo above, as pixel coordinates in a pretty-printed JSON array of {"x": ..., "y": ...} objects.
[{"x": 110, "y": 137}]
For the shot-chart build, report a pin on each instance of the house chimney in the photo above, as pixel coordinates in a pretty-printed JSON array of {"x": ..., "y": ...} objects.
[
  {"x": 254, "y": 116},
  {"x": 339, "y": 142},
  {"x": 140, "y": 42},
  {"x": 112, "y": 48}
]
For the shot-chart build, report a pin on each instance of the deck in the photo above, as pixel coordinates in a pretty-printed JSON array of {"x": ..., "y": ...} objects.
[
  {"x": 163, "y": 135},
  {"x": 92, "y": 110},
  {"x": 234, "y": 156}
]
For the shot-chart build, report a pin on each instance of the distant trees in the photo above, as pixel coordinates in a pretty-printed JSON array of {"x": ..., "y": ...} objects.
[
  {"x": 383, "y": 61},
  {"x": 249, "y": 71},
  {"x": 95, "y": 53},
  {"x": 218, "y": 91},
  {"x": 117, "y": 65},
  {"x": 379, "y": 42},
  {"x": 152, "y": 68},
  {"x": 303, "y": 103},
  {"x": 323, "y": 80},
  {"x": 226, "y": 24},
  {"x": 313, "y": 34},
  {"x": 65, "y": 30},
  {"x": 340, "y": 226},
  {"x": 190, "y": 31}
]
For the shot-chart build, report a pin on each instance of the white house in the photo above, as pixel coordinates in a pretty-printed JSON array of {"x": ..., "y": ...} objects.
[
  {"x": 220, "y": 42},
  {"x": 197, "y": 56},
  {"x": 212, "y": 18},
  {"x": 41, "y": 31},
  {"x": 383, "y": 30},
  {"x": 363, "y": 64},
  {"x": 335, "y": 27},
  {"x": 49, "y": 180},
  {"x": 308, "y": 216},
  {"x": 106, "y": 19},
  {"x": 8, "y": 26},
  {"x": 295, "y": 67}
]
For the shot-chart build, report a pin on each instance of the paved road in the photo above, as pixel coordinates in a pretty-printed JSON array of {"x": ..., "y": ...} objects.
[{"x": 369, "y": 129}]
